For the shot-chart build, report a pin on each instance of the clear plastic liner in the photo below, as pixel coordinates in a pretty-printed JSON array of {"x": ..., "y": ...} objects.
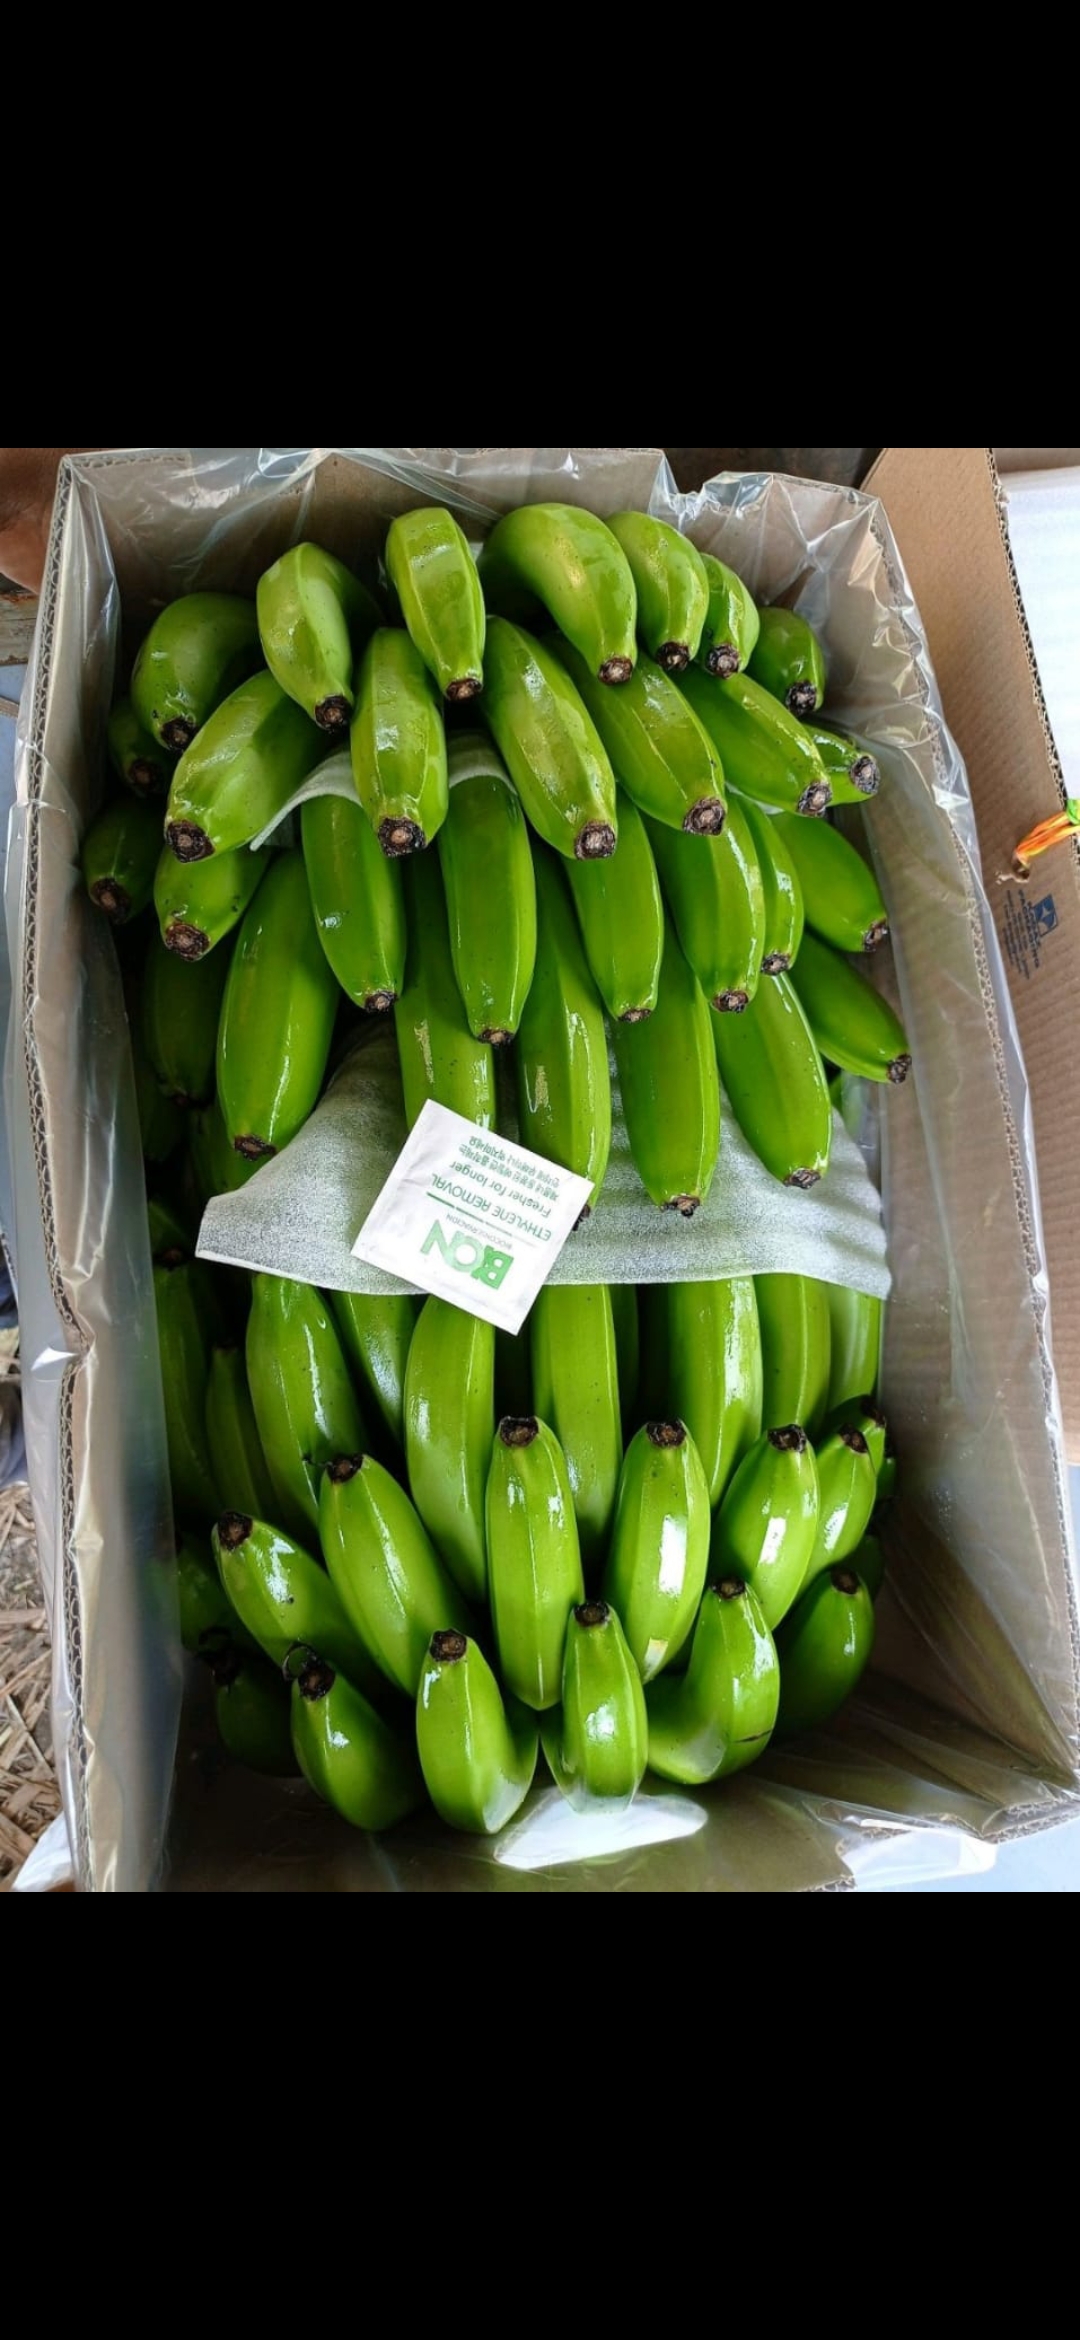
[{"x": 969, "y": 1719}]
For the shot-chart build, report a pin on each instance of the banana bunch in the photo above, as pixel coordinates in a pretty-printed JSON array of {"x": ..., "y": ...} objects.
[{"x": 422, "y": 1560}]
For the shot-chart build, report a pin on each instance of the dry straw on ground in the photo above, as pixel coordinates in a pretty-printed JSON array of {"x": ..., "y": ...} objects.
[{"x": 28, "y": 1792}]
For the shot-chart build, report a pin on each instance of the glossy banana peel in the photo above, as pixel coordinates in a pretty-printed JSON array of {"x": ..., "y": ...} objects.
[
  {"x": 383, "y": 1565},
  {"x": 398, "y": 745},
  {"x": 793, "y": 1313},
  {"x": 563, "y": 1078},
  {"x": 357, "y": 1762},
  {"x": 439, "y": 1056},
  {"x": 671, "y": 585},
  {"x": 701, "y": 1364},
  {"x": 477, "y": 1750},
  {"x": 234, "y": 783},
  {"x": 449, "y": 1426},
  {"x": 825, "y": 1647},
  {"x": 196, "y": 653},
  {"x": 534, "y": 1559},
  {"x": 314, "y": 620},
  {"x": 621, "y": 917},
  {"x": 549, "y": 744},
  {"x": 304, "y": 1403},
  {"x": 277, "y": 1016},
  {"x": 487, "y": 872},
  {"x": 569, "y": 561},
  {"x": 575, "y": 1383},
  {"x": 434, "y": 576},
  {"x": 670, "y": 1091},
  {"x": 659, "y": 1554},
  {"x": 283, "y": 1596},
  {"x": 357, "y": 902},
  {"x": 119, "y": 856},
  {"x": 597, "y": 1741},
  {"x": 775, "y": 1083},
  {"x": 719, "y": 1716},
  {"x": 766, "y": 1527}
]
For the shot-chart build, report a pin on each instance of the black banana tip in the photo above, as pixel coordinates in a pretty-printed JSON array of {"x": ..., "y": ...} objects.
[
  {"x": 723, "y": 661},
  {"x": 333, "y": 715},
  {"x": 635, "y": 1015},
  {"x": 225, "y": 1665},
  {"x": 398, "y": 838},
  {"x": 233, "y": 1529},
  {"x": 730, "y": 1588},
  {"x": 854, "y": 1440},
  {"x": 518, "y": 1429},
  {"x": 876, "y": 935},
  {"x": 379, "y": 1003},
  {"x": 706, "y": 819},
  {"x": 468, "y": 686},
  {"x": 178, "y": 735},
  {"x": 592, "y": 1613},
  {"x": 343, "y": 1468},
  {"x": 666, "y": 1434},
  {"x": 146, "y": 779},
  {"x": 448, "y": 1649},
  {"x": 253, "y": 1149},
  {"x": 188, "y": 842},
  {"x": 899, "y": 1070},
  {"x": 113, "y": 898},
  {"x": 616, "y": 670},
  {"x": 312, "y": 1676},
  {"x": 865, "y": 775},
  {"x": 596, "y": 842},
  {"x": 845, "y": 1580},
  {"x": 777, "y": 963},
  {"x": 496, "y": 1036},
  {"x": 674, "y": 657},
  {"x": 685, "y": 1204},
  {"x": 815, "y": 800},
  {"x": 802, "y": 700},
  {"x": 188, "y": 942},
  {"x": 581, "y": 1218},
  {"x": 731, "y": 1003},
  {"x": 789, "y": 1441},
  {"x": 803, "y": 1180}
]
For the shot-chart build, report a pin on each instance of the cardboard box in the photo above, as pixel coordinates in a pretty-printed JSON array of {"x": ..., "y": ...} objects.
[
  {"x": 970, "y": 1716},
  {"x": 951, "y": 525}
]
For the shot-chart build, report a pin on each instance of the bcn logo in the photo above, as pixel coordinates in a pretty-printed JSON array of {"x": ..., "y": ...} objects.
[{"x": 470, "y": 1258}]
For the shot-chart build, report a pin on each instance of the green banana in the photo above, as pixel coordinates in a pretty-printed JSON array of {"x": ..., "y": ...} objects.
[
  {"x": 732, "y": 625},
  {"x": 534, "y": 1559},
  {"x": 232, "y": 1438},
  {"x": 119, "y": 856},
  {"x": 487, "y": 870},
  {"x": 568, "y": 560},
  {"x": 841, "y": 896},
  {"x": 376, "y": 1336},
  {"x": 848, "y": 1493},
  {"x": 597, "y": 1742},
  {"x": 251, "y": 1708},
  {"x": 184, "y": 1347},
  {"x": 209, "y": 1625},
  {"x": 784, "y": 914},
  {"x": 439, "y": 1056},
  {"x": 477, "y": 1753},
  {"x": 233, "y": 785},
  {"x": 195, "y": 654},
  {"x": 853, "y": 1026},
  {"x": 434, "y": 576},
  {"x": 766, "y": 1527},
  {"x": 865, "y": 1416},
  {"x": 398, "y": 745},
  {"x": 775, "y": 1084},
  {"x": 314, "y": 619},
  {"x": 701, "y": 1361},
  {"x": 852, "y": 768},
  {"x": 719, "y": 1716},
  {"x": 886, "y": 1486},
  {"x": 868, "y": 1564},
  {"x": 384, "y": 1567},
  {"x": 621, "y": 917},
  {"x": 354, "y": 1760},
  {"x": 789, "y": 661},
  {"x": 304, "y": 1403},
  {"x": 671, "y": 586},
  {"x": 277, "y": 1016},
  {"x": 563, "y": 1077},
  {"x": 134, "y": 753},
  {"x": 713, "y": 890},
  {"x": 283, "y": 1597},
  {"x": 161, "y": 1121},
  {"x": 198, "y": 903},
  {"x": 659, "y": 1555},
  {"x": 856, "y": 1323},
  {"x": 181, "y": 1007},
  {"x": 765, "y": 753},
  {"x": 663, "y": 755},
  {"x": 357, "y": 901},
  {"x": 216, "y": 1167},
  {"x": 793, "y": 1313},
  {"x": 825, "y": 1647},
  {"x": 670, "y": 1090},
  {"x": 449, "y": 1426},
  {"x": 169, "y": 1231},
  {"x": 575, "y": 1383},
  {"x": 549, "y": 744},
  {"x": 624, "y": 1317}
]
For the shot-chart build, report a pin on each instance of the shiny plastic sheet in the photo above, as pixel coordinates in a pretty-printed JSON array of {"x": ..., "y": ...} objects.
[{"x": 970, "y": 1718}]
